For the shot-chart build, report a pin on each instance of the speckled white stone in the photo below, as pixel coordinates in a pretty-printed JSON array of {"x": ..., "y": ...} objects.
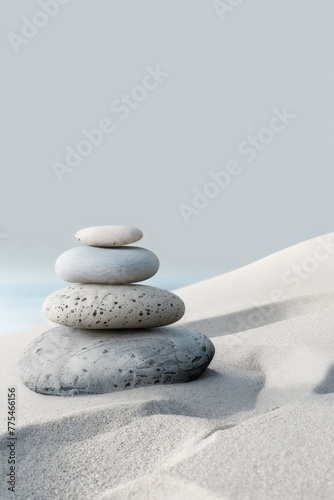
[
  {"x": 111, "y": 307},
  {"x": 109, "y": 236},
  {"x": 67, "y": 362},
  {"x": 113, "y": 266}
]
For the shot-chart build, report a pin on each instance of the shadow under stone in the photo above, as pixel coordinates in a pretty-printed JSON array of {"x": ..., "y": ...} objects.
[
  {"x": 327, "y": 385},
  {"x": 258, "y": 316}
]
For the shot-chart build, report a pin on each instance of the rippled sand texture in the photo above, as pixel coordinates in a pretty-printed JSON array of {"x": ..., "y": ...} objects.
[{"x": 258, "y": 424}]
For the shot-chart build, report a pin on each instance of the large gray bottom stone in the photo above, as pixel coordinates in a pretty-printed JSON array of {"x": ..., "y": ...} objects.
[{"x": 66, "y": 361}]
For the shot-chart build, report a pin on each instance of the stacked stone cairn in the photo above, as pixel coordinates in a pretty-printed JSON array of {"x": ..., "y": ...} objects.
[{"x": 113, "y": 333}]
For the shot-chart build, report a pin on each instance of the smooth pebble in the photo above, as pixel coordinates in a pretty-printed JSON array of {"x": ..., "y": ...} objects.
[
  {"x": 111, "y": 307},
  {"x": 66, "y": 362},
  {"x": 113, "y": 266},
  {"x": 109, "y": 236}
]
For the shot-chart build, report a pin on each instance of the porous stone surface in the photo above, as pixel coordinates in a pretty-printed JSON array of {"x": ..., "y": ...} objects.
[
  {"x": 65, "y": 362},
  {"x": 112, "y": 306},
  {"x": 109, "y": 236},
  {"x": 112, "y": 266}
]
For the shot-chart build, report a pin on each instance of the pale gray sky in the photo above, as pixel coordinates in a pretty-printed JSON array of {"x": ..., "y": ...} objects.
[{"x": 229, "y": 76}]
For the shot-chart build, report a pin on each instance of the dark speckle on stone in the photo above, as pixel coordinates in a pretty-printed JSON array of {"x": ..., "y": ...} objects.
[{"x": 147, "y": 357}]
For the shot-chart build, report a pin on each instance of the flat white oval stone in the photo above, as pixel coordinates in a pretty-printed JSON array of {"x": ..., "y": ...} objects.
[
  {"x": 67, "y": 362},
  {"x": 109, "y": 236},
  {"x": 113, "y": 266},
  {"x": 110, "y": 307}
]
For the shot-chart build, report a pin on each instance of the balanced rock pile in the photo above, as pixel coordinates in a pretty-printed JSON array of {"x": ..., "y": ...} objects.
[{"x": 111, "y": 335}]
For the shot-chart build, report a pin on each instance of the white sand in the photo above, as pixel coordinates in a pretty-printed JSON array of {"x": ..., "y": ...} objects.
[{"x": 257, "y": 425}]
